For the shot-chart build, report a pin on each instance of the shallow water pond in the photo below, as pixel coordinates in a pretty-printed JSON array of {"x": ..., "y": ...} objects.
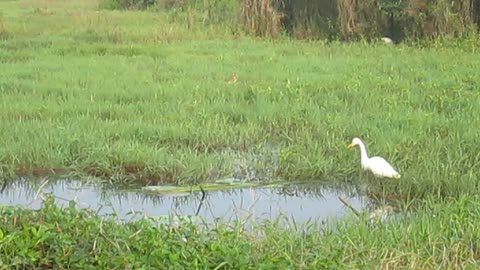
[{"x": 300, "y": 202}]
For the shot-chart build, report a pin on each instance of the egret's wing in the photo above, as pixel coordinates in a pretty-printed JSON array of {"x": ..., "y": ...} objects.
[{"x": 380, "y": 164}]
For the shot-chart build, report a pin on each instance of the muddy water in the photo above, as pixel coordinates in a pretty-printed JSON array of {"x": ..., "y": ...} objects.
[{"x": 300, "y": 202}]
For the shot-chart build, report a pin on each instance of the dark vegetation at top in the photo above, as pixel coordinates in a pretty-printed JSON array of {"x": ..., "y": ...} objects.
[{"x": 331, "y": 19}]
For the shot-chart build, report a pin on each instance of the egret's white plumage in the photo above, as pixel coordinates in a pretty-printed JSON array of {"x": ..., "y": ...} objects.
[
  {"x": 387, "y": 40},
  {"x": 377, "y": 165}
]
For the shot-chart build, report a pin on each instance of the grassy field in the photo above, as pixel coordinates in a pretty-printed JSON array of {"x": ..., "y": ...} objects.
[{"x": 144, "y": 96}]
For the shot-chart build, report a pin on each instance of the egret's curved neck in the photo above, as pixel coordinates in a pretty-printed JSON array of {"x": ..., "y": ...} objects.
[{"x": 363, "y": 155}]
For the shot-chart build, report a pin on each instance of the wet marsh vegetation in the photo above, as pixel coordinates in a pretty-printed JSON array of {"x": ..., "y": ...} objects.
[
  {"x": 139, "y": 97},
  {"x": 439, "y": 235}
]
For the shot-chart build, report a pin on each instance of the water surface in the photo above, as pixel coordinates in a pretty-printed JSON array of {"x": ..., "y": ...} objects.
[{"x": 299, "y": 202}]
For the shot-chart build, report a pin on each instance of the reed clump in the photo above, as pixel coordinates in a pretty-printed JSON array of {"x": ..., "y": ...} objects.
[{"x": 261, "y": 17}]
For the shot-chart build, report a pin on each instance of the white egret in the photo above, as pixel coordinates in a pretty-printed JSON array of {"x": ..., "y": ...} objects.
[
  {"x": 387, "y": 40},
  {"x": 377, "y": 165}
]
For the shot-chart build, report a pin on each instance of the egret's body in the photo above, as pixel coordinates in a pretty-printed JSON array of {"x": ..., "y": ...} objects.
[
  {"x": 377, "y": 165},
  {"x": 387, "y": 40}
]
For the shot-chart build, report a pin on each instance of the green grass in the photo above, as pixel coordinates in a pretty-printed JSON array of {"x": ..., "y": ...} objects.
[
  {"x": 138, "y": 95},
  {"x": 438, "y": 236}
]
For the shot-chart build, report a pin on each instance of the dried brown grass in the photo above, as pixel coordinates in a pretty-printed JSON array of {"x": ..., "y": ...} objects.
[{"x": 261, "y": 17}]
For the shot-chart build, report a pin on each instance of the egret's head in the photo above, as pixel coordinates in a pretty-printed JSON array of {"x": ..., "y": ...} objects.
[{"x": 355, "y": 141}]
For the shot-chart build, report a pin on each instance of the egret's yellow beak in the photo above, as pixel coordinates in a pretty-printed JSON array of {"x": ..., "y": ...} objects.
[{"x": 350, "y": 145}]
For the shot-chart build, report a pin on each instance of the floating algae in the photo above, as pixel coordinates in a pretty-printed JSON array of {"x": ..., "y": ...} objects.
[{"x": 222, "y": 184}]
